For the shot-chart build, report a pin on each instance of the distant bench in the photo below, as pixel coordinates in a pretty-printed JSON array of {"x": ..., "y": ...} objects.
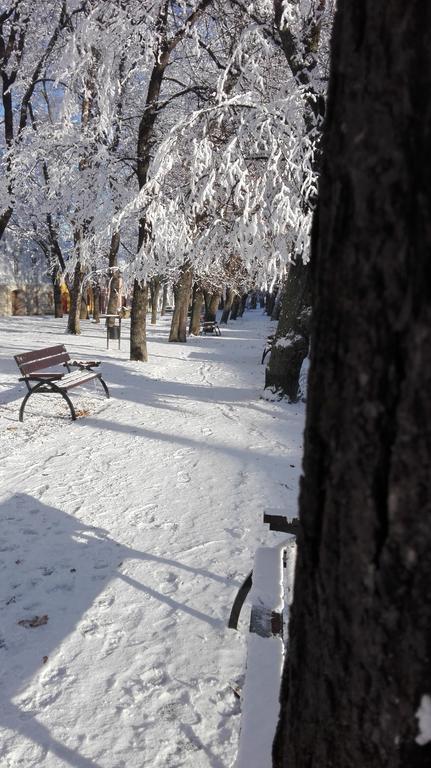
[
  {"x": 33, "y": 365},
  {"x": 210, "y": 326}
]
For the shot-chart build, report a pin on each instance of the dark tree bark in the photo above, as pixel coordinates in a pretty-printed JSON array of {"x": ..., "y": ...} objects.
[
  {"x": 241, "y": 305},
  {"x": 114, "y": 279},
  {"x": 292, "y": 336},
  {"x": 58, "y": 302},
  {"x": 235, "y": 307},
  {"x": 182, "y": 301},
  {"x": 155, "y": 291},
  {"x": 212, "y": 301},
  {"x": 73, "y": 322},
  {"x": 96, "y": 302},
  {"x": 164, "y": 299},
  {"x": 195, "y": 320},
  {"x": 138, "y": 323},
  {"x": 227, "y": 306},
  {"x": 84, "y": 306},
  {"x": 360, "y": 632}
]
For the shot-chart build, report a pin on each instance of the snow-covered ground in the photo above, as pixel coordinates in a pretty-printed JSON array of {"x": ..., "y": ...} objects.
[{"x": 128, "y": 533}]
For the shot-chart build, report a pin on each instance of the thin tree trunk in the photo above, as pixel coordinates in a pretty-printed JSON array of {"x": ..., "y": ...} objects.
[
  {"x": 96, "y": 302},
  {"x": 138, "y": 323},
  {"x": 227, "y": 306},
  {"x": 234, "y": 308},
  {"x": 195, "y": 320},
  {"x": 114, "y": 279},
  {"x": 155, "y": 291},
  {"x": 357, "y": 683},
  {"x": 164, "y": 299},
  {"x": 58, "y": 301},
  {"x": 182, "y": 301},
  {"x": 73, "y": 323}
]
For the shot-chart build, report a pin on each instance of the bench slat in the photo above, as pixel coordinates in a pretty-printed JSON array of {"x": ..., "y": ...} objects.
[
  {"x": 45, "y": 362},
  {"x": 38, "y": 354},
  {"x": 75, "y": 379}
]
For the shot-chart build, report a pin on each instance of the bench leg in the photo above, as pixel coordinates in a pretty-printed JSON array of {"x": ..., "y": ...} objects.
[
  {"x": 103, "y": 383},
  {"x": 53, "y": 389}
]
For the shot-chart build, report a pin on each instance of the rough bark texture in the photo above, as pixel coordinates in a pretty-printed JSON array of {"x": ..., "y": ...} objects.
[
  {"x": 227, "y": 306},
  {"x": 360, "y": 630},
  {"x": 182, "y": 300},
  {"x": 235, "y": 308},
  {"x": 155, "y": 291},
  {"x": 164, "y": 299},
  {"x": 96, "y": 303},
  {"x": 212, "y": 301},
  {"x": 58, "y": 303},
  {"x": 114, "y": 280},
  {"x": 73, "y": 322},
  {"x": 138, "y": 323},
  {"x": 195, "y": 320},
  {"x": 292, "y": 336}
]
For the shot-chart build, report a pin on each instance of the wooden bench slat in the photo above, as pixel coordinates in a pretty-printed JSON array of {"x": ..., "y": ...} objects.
[
  {"x": 39, "y": 354},
  {"x": 75, "y": 378},
  {"x": 46, "y": 362}
]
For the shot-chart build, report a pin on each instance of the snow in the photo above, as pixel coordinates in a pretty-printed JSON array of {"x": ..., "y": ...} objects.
[
  {"x": 424, "y": 721},
  {"x": 131, "y": 530}
]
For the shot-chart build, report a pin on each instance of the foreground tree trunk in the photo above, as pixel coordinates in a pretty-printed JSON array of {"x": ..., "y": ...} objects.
[
  {"x": 182, "y": 301},
  {"x": 73, "y": 323},
  {"x": 138, "y": 322},
  {"x": 357, "y": 683},
  {"x": 292, "y": 336},
  {"x": 195, "y": 320}
]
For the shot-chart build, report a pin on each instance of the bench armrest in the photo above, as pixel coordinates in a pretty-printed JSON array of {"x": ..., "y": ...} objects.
[{"x": 83, "y": 364}]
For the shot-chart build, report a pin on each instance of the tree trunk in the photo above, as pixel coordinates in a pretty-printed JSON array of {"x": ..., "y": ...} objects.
[
  {"x": 211, "y": 306},
  {"x": 357, "y": 682},
  {"x": 227, "y": 306},
  {"x": 114, "y": 280},
  {"x": 195, "y": 320},
  {"x": 96, "y": 302},
  {"x": 182, "y": 300},
  {"x": 292, "y": 336},
  {"x": 84, "y": 306},
  {"x": 235, "y": 307},
  {"x": 241, "y": 305},
  {"x": 58, "y": 301},
  {"x": 164, "y": 299},
  {"x": 155, "y": 291},
  {"x": 73, "y": 323},
  {"x": 138, "y": 323}
]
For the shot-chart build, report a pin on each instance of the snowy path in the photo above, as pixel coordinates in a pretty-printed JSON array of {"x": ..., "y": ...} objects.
[{"x": 131, "y": 529}]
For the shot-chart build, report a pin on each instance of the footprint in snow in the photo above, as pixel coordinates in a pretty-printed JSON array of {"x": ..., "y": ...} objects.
[{"x": 183, "y": 478}]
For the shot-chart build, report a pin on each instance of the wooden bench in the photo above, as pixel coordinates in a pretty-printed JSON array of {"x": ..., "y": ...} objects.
[
  {"x": 210, "y": 326},
  {"x": 33, "y": 365},
  {"x": 270, "y": 585}
]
